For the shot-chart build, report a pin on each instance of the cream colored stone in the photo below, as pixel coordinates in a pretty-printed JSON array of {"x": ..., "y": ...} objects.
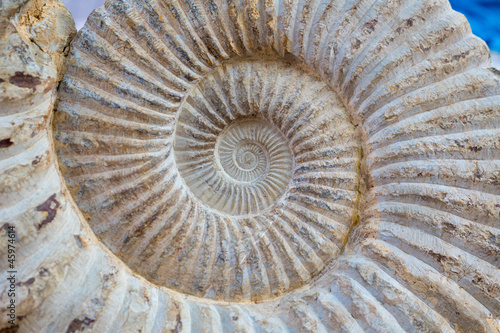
[{"x": 216, "y": 166}]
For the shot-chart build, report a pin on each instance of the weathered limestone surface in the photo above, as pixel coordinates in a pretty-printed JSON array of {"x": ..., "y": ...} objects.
[
  {"x": 251, "y": 166},
  {"x": 34, "y": 36}
]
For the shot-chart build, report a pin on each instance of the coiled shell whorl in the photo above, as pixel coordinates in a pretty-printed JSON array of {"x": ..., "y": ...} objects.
[
  {"x": 267, "y": 166},
  {"x": 248, "y": 155}
]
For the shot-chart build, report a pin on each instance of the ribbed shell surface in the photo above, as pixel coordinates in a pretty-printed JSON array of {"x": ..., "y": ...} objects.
[{"x": 387, "y": 115}]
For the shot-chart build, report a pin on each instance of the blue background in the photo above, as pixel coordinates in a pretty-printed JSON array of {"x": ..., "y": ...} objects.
[{"x": 484, "y": 18}]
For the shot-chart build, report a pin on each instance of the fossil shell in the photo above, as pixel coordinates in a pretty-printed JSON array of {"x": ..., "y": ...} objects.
[
  {"x": 258, "y": 166},
  {"x": 216, "y": 180}
]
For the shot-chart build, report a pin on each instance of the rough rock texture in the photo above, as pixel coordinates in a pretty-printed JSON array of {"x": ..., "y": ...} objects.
[
  {"x": 362, "y": 139},
  {"x": 33, "y": 45}
]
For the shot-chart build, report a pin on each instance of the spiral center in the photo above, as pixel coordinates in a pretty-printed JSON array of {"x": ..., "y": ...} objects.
[
  {"x": 250, "y": 166},
  {"x": 247, "y": 160}
]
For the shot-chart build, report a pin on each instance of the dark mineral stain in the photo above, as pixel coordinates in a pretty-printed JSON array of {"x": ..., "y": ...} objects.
[
  {"x": 369, "y": 26},
  {"x": 475, "y": 149},
  {"x": 178, "y": 325},
  {"x": 438, "y": 257},
  {"x": 418, "y": 324},
  {"x": 29, "y": 282},
  {"x": 449, "y": 227},
  {"x": 6, "y": 143},
  {"x": 458, "y": 57},
  {"x": 78, "y": 241},
  {"x": 50, "y": 206},
  {"x": 424, "y": 49},
  {"x": 43, "y": 272},
  {"x": 36, "y": 160},
  {"x": 78, "y": 325},
  {"x": 477, "y": 280},
  {"x": 6, "y": 227},
  {"x": 356, "y": 44},
  {"x": 25, "y": 80},
  {"x": 494, "y": 70},
  {"x": 11, "y": 329}
]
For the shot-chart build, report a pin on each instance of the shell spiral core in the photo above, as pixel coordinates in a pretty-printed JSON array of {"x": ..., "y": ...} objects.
[
  {"x": 249, "y": 168},
  {"x": 258, "y": 152}
]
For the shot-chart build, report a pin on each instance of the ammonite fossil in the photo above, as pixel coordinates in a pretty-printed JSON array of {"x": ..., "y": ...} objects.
[
  {"x": 250, "y": 166},
  {"x": 246, "y": 193}
]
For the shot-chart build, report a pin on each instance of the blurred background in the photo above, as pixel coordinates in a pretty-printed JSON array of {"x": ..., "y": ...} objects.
[{"x": 483, "y": 15}]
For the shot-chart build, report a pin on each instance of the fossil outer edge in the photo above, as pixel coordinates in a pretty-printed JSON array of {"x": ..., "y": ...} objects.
[{"x": 424, "y": 253}]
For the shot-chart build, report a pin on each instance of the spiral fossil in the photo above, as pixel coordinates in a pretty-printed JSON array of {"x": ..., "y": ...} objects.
[
  {"x": 223, "y": 176},
  {"x": 254, "y": 166}
]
